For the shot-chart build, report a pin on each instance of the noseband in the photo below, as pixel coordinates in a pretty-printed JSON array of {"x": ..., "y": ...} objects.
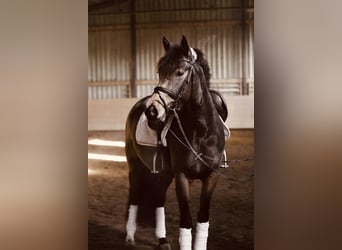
[{"x": 176, "y": 96}]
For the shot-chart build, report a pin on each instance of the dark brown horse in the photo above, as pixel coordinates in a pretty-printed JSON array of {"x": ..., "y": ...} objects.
[{"x": 187, "y": 118}]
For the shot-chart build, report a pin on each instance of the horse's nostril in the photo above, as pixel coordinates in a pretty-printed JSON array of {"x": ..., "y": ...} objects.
[{"x": 151, "y": 113}]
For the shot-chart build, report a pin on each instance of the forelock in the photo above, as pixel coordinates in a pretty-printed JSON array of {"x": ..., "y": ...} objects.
[
  {"x": 170, "y": 61},
  {"x": 173, "y": 57}
]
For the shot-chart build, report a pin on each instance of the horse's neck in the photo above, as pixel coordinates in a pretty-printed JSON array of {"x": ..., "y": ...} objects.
[
  {"x": 201, "y": 124},
  {"x": 203, "y": 118}
]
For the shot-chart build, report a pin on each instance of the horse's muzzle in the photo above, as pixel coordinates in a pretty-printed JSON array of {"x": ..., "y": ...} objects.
[
  {"x": 151, "y": 113},
  {"x": 154, "y": 122}
]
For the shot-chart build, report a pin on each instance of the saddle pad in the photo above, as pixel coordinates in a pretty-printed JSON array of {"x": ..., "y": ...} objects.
[{"x": 144, "y": 134}]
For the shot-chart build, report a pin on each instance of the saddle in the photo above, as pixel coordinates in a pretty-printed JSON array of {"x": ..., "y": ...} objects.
[
  {"x": 148, "y": 137},
  {"x": 219, "y": 103}
]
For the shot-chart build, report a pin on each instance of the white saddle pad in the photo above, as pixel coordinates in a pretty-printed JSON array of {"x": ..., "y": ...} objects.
[
  {"x": 148, "y": 137},
  {"x": 144, "y": 134}
]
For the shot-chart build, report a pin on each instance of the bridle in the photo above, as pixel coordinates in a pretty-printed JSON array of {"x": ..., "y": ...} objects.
[
  {"x": 176, "y": 96},
  {"x": 172, "y": 108}
]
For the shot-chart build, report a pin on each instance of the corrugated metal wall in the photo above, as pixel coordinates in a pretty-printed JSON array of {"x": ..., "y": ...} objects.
[
  {"x": 109, "y": 58},
  {"x": 250, "y": 56},
  {"x": 217, "y": 32}
]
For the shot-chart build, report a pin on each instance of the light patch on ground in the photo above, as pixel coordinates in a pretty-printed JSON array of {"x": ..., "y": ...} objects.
[
  {"x": 105, "y": 157},
  {"x": 99, "y": 142}
]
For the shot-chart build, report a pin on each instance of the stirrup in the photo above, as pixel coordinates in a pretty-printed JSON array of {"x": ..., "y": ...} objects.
[
  {"x": 158, "y": 151},
  {"x": 225, "y": 164},
  {"x": 154, "y": 170}
]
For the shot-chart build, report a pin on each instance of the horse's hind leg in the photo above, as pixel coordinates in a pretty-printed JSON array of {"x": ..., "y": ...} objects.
[
  {"x": 182, "y": 191},
  {"x": 134, "y": 194},
  {"x": 160, "y": 229},
  {"x": 131, "y": 225},
  {"x": 202, "y": 227}
]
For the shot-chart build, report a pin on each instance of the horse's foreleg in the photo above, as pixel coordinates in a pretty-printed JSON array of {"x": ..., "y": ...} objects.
[
  {"x": 182, "y": 191},
  {"x": 202, "y": 231},
  {"x": 202, "y": 227}
]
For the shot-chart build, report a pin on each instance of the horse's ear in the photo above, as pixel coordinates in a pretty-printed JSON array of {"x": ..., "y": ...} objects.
[
  {"x": 166, "y": 43},
  {"x": 185, "y": 46},
  {"x": 187, "y": 50}
]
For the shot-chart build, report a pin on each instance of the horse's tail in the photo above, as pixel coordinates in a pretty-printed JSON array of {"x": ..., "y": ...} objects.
[
  {"x": 148, "y": 199},
  {"x": 152, "y": 194},
  {"x": 149, "y": 190},
  {"x": 140, "y": 185}
]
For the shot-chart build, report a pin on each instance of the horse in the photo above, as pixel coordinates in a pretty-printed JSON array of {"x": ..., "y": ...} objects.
[{"x": 188, "y": 120}]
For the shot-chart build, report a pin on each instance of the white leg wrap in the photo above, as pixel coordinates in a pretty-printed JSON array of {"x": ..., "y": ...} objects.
[
  {"x": 201, "y": 236},
  {"x": 160, "y": 223},
  {"x": 131, "y": 225},
  {"x": 185, "y": 239}
]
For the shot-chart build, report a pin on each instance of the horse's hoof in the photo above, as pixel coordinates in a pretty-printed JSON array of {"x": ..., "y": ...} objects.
[
  {"x": 129, "y": 242},
  {"x": 165, "y": 246}
]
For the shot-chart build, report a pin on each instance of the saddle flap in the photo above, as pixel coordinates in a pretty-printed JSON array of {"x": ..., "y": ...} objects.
[{"x": 146, "y": 136}]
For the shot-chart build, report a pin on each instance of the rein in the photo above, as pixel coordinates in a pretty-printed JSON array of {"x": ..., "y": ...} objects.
[
  {"x": 174, "y": 106},
  {"x": 200, "y": 156},
  {"x": 175, "y": 96}
]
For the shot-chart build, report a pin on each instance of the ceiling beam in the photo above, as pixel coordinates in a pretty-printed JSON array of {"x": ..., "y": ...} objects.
[{"x": 104, "y": 4}]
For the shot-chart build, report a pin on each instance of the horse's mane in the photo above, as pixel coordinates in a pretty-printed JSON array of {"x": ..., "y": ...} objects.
[{"x": 170, "y": 61}]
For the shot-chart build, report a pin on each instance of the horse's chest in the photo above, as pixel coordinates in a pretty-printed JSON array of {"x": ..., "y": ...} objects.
[
  {"x": 199, "y": 157},
  {"x": 201, "y": 163},
  {"x": 197, "y": 169}
]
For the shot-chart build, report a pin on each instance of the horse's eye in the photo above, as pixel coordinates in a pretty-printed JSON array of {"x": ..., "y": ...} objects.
[{"x": 179, "y": 73}]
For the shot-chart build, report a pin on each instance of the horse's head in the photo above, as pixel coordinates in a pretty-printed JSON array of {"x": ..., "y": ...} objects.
[{"x": 181, "y": 71}]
